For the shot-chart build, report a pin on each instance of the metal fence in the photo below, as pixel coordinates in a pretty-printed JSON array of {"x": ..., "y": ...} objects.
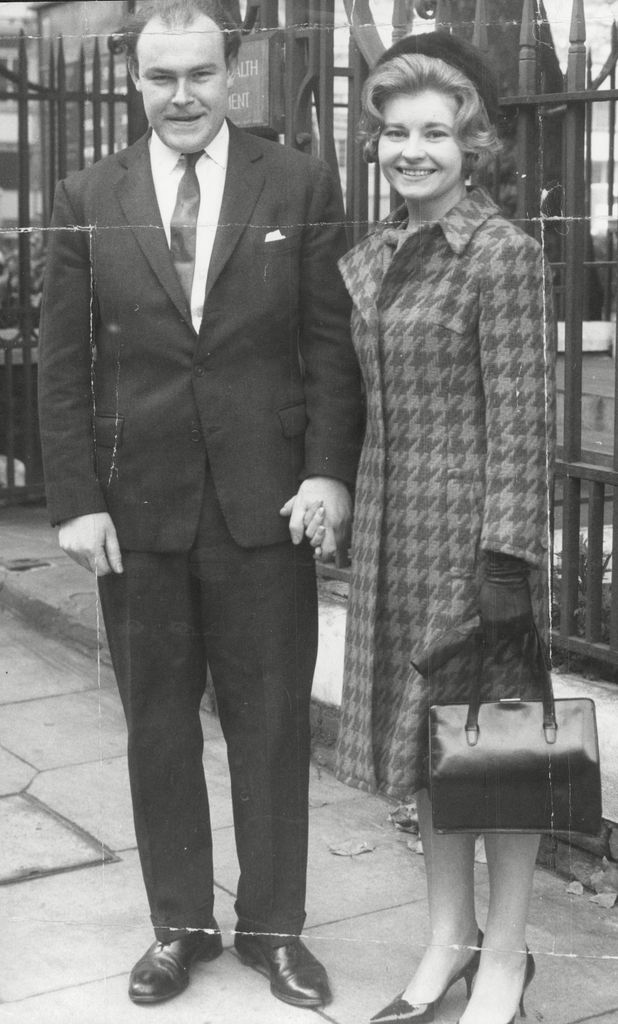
[
  {"x": 77, "y": 113},
  {"x": 545, "y": 180}
]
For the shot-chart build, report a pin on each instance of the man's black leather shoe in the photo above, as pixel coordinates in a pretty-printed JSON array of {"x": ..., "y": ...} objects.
[
  {"x": 296, "y": 976},
  {"x": 163, "y": 971}
]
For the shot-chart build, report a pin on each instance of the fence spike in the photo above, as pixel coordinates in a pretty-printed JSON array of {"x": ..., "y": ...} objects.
[
  {"x": 479, "y": 37},
  {"x": 444, "y": 15},
  {"x": 96, "y": 102},
  {"x": 589, "y": 69},
  {"x": 401, "y": 20},
  {"x": 51, "y": 115},
  {"x": 576, "y": 64},
  {"x": 527, "y": 49}
]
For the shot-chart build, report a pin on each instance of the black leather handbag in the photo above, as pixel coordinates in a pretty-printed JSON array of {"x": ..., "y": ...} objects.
[{"x": 515, "y": 766}]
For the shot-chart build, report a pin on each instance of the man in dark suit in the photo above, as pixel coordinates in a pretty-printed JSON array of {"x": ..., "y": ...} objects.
[{"x": 197, "y": 386}]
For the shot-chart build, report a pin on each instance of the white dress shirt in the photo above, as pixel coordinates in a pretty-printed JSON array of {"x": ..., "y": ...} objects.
[{"x": 167, "y": 170}]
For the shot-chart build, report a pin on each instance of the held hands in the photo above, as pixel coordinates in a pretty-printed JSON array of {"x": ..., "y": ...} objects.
[
  {"x": 506, "y": 611},
  {"x": 321, "y": 510},
  {"x": 91, "y": 541}
]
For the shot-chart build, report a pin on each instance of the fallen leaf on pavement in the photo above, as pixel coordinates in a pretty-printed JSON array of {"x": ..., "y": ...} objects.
[
  {"x": 604, "y": 899},
  {"x": 575, "y": 889},
  {"x": 351, "y": 848},
  {"x": 405, "y": 818}
]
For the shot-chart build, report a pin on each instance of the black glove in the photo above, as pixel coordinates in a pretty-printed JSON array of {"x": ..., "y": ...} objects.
[{"x": 504, "y": 599}]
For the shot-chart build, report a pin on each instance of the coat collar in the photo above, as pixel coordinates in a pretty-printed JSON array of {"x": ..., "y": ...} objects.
[
  {"x": 136, "y": 194},
  {"x": 462, "y": 222},
  {"x": 362, "y": 266}
]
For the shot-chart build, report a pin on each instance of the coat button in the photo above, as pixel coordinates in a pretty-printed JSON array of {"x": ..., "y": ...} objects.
[
  {"x": 195, "y": 435},
  {"x": 198, "y": 370}
]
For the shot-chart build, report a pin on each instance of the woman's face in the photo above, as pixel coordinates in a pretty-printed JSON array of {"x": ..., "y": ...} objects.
[{"x": 419, "y": 153}]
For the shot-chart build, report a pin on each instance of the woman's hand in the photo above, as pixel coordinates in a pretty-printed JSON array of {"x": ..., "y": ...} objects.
[
  {"x": 504, "y": 599},
  {"x": 321, "y": 511}
]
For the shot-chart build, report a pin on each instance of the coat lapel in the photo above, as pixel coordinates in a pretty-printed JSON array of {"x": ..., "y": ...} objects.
[
  {"x": 138, "y": 201},
  {"x": 243, "y": 183}
]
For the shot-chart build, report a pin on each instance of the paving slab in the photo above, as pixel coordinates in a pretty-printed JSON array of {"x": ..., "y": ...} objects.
[
  {"x": 567, "y": 926},
  {"x": 221, "y": 992},
  {"x": 15, "y": 774},
  {"x": 36, "y": 842},
  {"x": 69, "y": 729},
  {"x": 324, "y": 788},
  {"x": 342, "y": 886},
  {"x": 96, "y": 796},
  {"x": 73, "y": 928},
  {"x": 370, "y": 956}
]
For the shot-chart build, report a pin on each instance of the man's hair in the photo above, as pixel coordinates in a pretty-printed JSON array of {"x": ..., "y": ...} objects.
[
  {"x": 408, "y": 74},
  {"x": 178, "y": 14}
]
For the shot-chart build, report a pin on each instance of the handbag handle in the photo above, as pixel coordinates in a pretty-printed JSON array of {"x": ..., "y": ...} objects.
[{"x": 542, "y": 677}]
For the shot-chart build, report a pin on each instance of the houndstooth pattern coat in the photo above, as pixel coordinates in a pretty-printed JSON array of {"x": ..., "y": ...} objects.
[{"x": 453, "y": 331}]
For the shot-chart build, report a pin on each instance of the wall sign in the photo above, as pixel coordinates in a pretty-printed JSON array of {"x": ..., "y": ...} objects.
[{"x": 256, "y": 97}]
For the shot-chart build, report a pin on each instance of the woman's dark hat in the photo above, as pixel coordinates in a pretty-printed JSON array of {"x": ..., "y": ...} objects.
[{"x": 459, "y": 54}]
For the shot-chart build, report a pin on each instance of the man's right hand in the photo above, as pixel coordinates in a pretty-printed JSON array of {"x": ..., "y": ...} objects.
[{"x": 91, "y": 541}]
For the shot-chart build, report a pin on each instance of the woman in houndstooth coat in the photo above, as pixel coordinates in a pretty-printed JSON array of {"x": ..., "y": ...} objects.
[{"x": 450, "y": 324}]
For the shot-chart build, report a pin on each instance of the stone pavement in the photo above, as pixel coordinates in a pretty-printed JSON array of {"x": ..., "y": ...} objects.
[{"x": 72, "y": 906}]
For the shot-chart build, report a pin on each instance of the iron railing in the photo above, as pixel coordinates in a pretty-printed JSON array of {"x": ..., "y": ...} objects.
[{"x": 322, "y": 86}]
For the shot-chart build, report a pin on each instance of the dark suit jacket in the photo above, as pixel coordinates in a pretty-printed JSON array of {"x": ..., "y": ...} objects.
[{"x": 133, "y": 401}]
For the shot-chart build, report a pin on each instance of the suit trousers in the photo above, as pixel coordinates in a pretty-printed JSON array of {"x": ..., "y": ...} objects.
[{"x": 251, "y": 615}]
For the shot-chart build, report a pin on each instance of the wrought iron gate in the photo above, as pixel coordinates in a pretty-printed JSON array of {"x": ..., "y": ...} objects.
[{"x": 545, "y": 181}]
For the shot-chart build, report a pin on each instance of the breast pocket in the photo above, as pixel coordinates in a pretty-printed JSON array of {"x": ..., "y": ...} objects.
[
  {"x": 278, "y": 262},
  {"x": 289, "y": 241}
]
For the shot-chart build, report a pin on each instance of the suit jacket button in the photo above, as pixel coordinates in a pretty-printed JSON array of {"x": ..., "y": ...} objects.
[
  {"x": 195, "y": 435},
  {"x": 198, "y": 370}
]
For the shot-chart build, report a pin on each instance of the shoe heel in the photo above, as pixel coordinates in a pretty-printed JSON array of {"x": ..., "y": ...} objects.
[
  {"x": 248, "y": 959},
  {"x": 470, "y": 971},
  {"x": 528, "y": 976},
  {"x": 248, "y": 956},
  {"x": 210, "y": 952},
  {"x": 469, "y": 977}
]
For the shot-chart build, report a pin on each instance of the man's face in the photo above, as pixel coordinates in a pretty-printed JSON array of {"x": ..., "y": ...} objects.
[{"x": 184, "y": 81}]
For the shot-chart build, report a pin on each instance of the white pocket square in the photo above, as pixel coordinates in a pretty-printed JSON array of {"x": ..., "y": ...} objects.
[{"x": 274, "y": 236}]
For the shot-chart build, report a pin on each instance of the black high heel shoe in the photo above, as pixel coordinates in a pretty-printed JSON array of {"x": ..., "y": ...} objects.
[
  {"x": 400, "y": 1011},
  {"x": 528, "y": 976}
]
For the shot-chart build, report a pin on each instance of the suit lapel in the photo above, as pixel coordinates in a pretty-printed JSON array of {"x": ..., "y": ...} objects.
[
  {"x": 243, "y": 183},
  {"x": 138, "y": 201}
]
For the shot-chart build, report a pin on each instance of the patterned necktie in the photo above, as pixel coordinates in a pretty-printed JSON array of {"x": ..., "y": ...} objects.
[{"x": 183, "y": 226}]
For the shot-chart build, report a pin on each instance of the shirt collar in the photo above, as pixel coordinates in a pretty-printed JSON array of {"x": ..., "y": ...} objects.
[
  {"x": 165, "y": 159},
  {"x": 460, "y": 223}
]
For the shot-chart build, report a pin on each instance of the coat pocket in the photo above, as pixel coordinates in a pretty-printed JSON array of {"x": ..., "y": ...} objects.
[
  {"x": 108, "y": 430},
  {"x": 293, "y": 419}
]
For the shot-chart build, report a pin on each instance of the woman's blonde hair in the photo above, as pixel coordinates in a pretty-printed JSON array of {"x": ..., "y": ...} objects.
[{"x": 409, "y": 74}]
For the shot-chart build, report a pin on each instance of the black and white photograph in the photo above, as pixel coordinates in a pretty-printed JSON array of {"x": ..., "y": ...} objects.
[{"x": 308, "y": 508}]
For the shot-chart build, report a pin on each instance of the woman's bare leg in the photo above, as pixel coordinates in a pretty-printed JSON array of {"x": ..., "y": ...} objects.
[
  {"x": 449, "y": 864},
  {"x": 510, "y": 860}
]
